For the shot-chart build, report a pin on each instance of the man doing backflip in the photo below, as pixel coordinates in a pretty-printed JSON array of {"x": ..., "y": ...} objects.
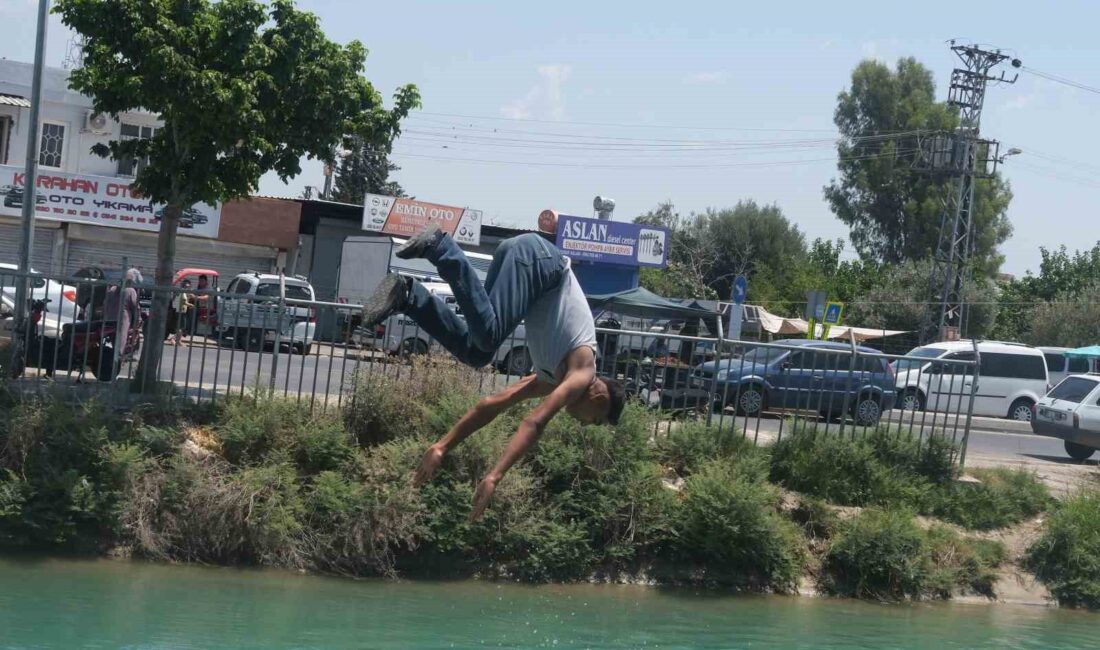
[{"x": 527, "y": 280}]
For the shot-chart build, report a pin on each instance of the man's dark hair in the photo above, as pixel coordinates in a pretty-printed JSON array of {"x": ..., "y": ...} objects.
[{"x": 616, "y": 400}]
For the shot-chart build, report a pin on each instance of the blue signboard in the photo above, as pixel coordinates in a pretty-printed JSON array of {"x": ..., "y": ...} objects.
[
  {"x": 833, "y": 310},
  {"x": 740, "y": 290},
  {"x": 612, "y": 242}
]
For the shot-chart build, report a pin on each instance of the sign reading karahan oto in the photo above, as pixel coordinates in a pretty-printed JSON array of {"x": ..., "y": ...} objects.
[
  {"x": 406, "y": 217},
  {"x": 612, "y": 242},
  {"x": 100, "y": 200}
]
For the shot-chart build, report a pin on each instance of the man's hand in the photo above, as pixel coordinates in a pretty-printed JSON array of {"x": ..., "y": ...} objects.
[
  {"x": 428, "y": 465},
  {"x": 483, "y": 495}
]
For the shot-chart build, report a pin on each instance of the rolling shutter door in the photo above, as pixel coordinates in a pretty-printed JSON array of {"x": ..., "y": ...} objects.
[
  {"x": 140, "y": 250},
  {"x": 41, "y": 257}
]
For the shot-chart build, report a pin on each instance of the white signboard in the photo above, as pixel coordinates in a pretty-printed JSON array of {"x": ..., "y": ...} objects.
[
  {"x": 406, "y": 217},
  {"x": 99, "y": 200}
]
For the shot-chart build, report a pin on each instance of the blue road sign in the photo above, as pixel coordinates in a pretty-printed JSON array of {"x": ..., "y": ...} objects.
[
  {"x": 833, "y": 310},
  {"x": 740, "y": 290}
]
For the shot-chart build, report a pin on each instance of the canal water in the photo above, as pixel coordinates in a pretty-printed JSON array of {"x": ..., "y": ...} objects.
[{"x": 119, "y": 604}]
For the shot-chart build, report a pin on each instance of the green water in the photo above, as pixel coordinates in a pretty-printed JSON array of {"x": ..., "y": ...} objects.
[{"x": 106, "y": 604}]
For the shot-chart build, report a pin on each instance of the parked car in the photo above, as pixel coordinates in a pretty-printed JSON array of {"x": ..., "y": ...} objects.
[
  {"x": 1059, "y": 366},
  {"x": 60, "y": 301},
  {"x": 1011, "y": 379},
  {"x": 400, "y": 334},
  {"x": 13, "y": 198},
  {"x": 188, "y": 218},
  {"x": 250, "y": 317},
  {"x": 1071, "y": 411},
  {"x": 810, "y": 376}
]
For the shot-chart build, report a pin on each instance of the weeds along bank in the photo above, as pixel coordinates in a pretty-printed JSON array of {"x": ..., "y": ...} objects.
[{"x": 266, "y": 482}]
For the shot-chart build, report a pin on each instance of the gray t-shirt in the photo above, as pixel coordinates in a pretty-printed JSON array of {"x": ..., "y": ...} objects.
[{"x": 558, "y": 323}]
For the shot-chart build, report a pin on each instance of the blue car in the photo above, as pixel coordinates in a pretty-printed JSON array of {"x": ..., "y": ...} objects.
[{"x": 814, "y": 376}]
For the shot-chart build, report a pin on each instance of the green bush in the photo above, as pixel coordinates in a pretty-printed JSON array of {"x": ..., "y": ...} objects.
[
  {"x": 728, "y": 524},
  {"x": 1067, "y": 555},
  {"x": 688, "y": 445},
  {"x": 605, "y": 479},
  {"x": 848, "y": 471},
  {"x": 423, "y": 399},
  {"x": 818, "y": 520},
  {"x": 880, "y": 555},
  {"x": 884, "y": 555},
  {"x": 1002, "y": 498}
]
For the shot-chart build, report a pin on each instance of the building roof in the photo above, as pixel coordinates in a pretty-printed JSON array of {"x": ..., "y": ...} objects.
[{"x": 14, "y": 100}]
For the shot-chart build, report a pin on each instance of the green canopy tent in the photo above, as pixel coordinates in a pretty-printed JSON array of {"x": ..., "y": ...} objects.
[{"x": 643, "y": 303}]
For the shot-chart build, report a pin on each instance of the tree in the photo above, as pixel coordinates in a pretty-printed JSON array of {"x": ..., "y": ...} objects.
[
  {"x": 364, "y": 170},
  {"x": 709, "y": 250},
  {"x": 893, "y": 211},
  {"x": 242, "y": 87},
  {"x": 1062, "y": 278},
  {"x": 1071, "y": 322}
]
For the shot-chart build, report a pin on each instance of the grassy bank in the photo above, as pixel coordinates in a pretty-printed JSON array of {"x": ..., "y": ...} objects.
[{"x": 266, "y": 482}]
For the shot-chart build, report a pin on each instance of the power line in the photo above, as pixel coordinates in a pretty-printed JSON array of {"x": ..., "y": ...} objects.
[
  {"x": 1061, "y": 80},
  {"x": 758, "y": 163},
  {"x": 627, "y": 125}
]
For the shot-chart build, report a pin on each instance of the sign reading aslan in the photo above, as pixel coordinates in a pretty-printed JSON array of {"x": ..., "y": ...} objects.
[
  {"x": 99, "y": 200},
  {"x": 406, "y": 217},
  {"x": 612, "y": 242}
]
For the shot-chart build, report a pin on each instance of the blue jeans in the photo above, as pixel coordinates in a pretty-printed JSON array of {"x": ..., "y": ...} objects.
[{"x": 524, "y": 269}]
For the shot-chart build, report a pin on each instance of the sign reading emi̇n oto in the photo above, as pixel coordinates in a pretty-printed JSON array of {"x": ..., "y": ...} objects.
[
  {"x": 612, "y": 242},
  {"x": 406, "y": 217}
]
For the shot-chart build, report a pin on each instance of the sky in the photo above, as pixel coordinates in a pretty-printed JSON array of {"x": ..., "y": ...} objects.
[{"x": 530, "y": 106}]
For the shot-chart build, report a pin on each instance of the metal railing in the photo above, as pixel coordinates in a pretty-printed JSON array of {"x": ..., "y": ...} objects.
[{"x": 231, "y": 344}]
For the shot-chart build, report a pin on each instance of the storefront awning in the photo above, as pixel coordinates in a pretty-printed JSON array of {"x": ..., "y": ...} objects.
[
  {"x": 769, "y": 322},
  {"x": 14, "y": 100}
]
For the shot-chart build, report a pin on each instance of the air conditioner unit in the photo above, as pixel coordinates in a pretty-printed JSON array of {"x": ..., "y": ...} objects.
[{"x": 97, "y": 123}]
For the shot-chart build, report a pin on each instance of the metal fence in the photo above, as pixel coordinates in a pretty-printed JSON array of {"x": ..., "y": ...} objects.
[{"x": 233, "y": 344}]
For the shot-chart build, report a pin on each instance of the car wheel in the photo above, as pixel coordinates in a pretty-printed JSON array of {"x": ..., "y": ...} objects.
[
  {"x": 750, "y": 401},
  {"x": 911, "y": 400},
  {"x": 868, "y": 411},
  {"x": 1079, "y": 452},
  {"x": 1021, "y": 410},
  {"x": 518, "y": 362},
  {"x": 303, "y": 348},
  {"x": 413, "y": 346}
]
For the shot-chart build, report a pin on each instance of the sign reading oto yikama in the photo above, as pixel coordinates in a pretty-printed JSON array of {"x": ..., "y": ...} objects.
[
  {"x": 99, "y": 200},
  {"x": 612, "y": 242},
  {"x": 406, "y": 217}
]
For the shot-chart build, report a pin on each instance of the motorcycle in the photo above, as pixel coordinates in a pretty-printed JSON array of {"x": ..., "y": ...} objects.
[
  {"x": 31, "y": 345},
  {"x": 94, "y": 344}
]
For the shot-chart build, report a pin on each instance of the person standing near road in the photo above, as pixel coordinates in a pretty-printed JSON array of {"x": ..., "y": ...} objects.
[
  {"x": 184, "y": 308},
  {"x": 123, "y": 308}
]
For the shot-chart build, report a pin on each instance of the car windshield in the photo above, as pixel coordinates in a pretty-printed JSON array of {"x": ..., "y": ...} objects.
[
  {"x": 1073, "y": 389},
  {"x": 903, "y": 365},
  {"x": 763, "y": 356}
]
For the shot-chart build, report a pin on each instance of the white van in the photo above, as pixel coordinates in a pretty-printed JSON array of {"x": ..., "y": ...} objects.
[
  {"x": 1059, "y": 366},
  {"x": 1011, "y": 379}
]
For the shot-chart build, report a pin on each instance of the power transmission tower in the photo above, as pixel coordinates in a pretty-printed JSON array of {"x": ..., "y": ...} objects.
[{"x": 961, "y": 157}]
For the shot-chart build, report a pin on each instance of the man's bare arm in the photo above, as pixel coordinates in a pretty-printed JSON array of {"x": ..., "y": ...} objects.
[
  {"x": 578, "y": 377},
  {"x": 486, "y": 410}
]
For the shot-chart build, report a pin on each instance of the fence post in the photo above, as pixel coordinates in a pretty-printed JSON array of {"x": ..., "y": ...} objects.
[
  {"x": 970, "y": 407},
  {"x": 848, "y": 386},
  {"x": 278, "y": 333}
]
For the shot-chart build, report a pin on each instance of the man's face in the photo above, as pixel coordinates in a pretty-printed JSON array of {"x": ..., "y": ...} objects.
[{"x": 592, "y": 407}]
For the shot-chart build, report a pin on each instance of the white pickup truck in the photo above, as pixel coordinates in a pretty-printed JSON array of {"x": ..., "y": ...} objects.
[{"x": 1071, "y": 411}]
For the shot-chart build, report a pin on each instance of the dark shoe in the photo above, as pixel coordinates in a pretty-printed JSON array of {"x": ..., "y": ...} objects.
[
  {"x": 421, "y": 243},
  {"x": 391, "y": 295}
]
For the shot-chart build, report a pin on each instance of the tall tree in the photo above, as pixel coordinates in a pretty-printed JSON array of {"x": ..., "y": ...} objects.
[
  {"x": 894, "y": 211},
  {"x": 1063, "y": 279},
  {"x": 242, "y": 87},
  {"x": 363, "y": 170}
]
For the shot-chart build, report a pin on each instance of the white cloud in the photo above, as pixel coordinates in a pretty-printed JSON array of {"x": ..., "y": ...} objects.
[
  {"x": 714, "y": 77},
  {"x": 544, "y": 100}
]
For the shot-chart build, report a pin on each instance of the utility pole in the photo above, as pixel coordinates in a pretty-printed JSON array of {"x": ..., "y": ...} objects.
[
  {"x": 30, "y": 194},
  {"x": 961, "y": 157}
]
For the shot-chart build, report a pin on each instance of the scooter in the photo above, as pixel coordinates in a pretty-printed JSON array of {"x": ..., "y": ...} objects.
[
  {"x": 93, "y": 344},
  {"x": 31, "y": 347}
]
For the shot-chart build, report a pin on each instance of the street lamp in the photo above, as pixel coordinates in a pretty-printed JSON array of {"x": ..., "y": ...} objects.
[{"x": 1014, "y": 151}]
